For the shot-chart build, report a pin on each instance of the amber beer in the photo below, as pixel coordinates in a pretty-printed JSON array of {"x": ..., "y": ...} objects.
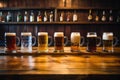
[
  {"x": 10, "y": 42},
  {"x": 107, "y": 42},
  {"x": 42, "y": 42},
  {"x": 59, "y": 41},
  {"x": 75, "y": 41}
]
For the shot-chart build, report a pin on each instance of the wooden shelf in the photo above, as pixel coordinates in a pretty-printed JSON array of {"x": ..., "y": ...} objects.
[{"x": 62, "y": 23}]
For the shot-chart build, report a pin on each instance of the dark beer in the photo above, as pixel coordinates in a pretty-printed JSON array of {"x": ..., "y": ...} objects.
[
  {"x": 10, "y": 41},
  {"x": 59, "y": 41},
  {"x": 91, "y": 42}
]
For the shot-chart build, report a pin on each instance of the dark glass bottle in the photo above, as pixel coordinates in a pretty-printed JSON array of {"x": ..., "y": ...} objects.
[
  {"x": 19, "y": 17},
  {"x": 68, "y": 17},
  {"x": 111, "y": 16},
  {"x": 118, "y": 16}
]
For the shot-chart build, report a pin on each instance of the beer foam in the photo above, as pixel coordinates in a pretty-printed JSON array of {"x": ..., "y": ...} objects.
[
  {"x": 10, "y": 34},
  {"x": 107, "y": 36},
  {"x": 58, "y": 34},
  {"x": 26, "y": 33},
  {"x": 42, "y": 33},
  {"x": 91, "y": 35}
]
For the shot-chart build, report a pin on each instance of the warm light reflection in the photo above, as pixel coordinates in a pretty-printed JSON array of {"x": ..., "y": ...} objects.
[{"x": 1, "y": 4}]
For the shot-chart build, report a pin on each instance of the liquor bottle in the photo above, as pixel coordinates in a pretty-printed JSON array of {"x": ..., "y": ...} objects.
[
  {"x": 19, "y": 17},
  {"x": 45, "y": 17},
  {"x": 9, "y": 17},
  {"x": 97, "y": 16},
  {"x": 75, "y": 16},
  {"x": 32, "y": 17},
  {"x": 61, "y": 16},
  {"x": 39, "y": 17},
  {"x": 51, "y": 16},
  {"x": 90, "y": 17},
  {"x": 103, "y": 16},
  {"x": 68, "y": 16},
  {"x": 1, "y": 17},
  {"x": 26, "y": 18},
  {"x": 118, "y": 17},
  {"x": 111, "y": 16}
]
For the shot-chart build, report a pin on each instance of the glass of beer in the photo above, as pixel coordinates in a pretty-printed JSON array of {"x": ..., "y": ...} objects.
[
  {"x": 26, "y": 42},
  {"x": 59, "y": 41},
  {"x": 43, "y": 41},
  {"x": 76, "y": 41},
  {"x": 10, "y": 42},
  {"x": 108, "y": 41},
  {"x": 92, "y": 41}
]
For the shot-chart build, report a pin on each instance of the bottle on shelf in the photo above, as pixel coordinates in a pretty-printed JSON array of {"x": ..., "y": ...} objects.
[
  {"x": 26, "y": 17},
  {"x": 90, "y": 17},
  {"x": 103, "y": 16},
  {"x": 118, "y": 17},
  {"x": 9, "y": 17},
  {"x": 32, "y": 17},
  {"x": 51, "y": 16},
  {"x": 111, "y": 16},
  {"x": 19, "y": 17},
  {"x": 45, "y": 17},
  {"x": 97, "y": 16},
  {"x": 39, "y": 17},
  {"x": 61, "y": 16},
  {"x": 68, "y": 17},
  {"x": 75, "y": 17},
  {"x": 1, "y": 17}
]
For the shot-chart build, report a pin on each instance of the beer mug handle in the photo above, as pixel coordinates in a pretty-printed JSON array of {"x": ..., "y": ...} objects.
[
  {"x": 83, "y": 41},
  {"x": 18, "y": 43},
  {"x": 116, "y": 41},
  {"x": 51, "y": 41},
  {"x": 99, "y": 41},
  {"x": 33, "y": 37},
  {"x": 65, "y": 37}
]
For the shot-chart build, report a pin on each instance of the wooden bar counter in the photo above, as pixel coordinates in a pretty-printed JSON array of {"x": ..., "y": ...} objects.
[{"x": 60, "y": 66}]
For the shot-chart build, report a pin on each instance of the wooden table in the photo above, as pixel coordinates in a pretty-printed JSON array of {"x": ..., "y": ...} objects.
[{"x": 60, "y": 66}]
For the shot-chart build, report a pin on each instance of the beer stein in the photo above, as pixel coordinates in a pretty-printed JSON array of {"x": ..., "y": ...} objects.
[
  {"x": 59, "y": 41},
  {"x": 92, "y": 41},
  {"x": 76, "y": 41},
  {"x": 108, "y": 40},
  {"x": 10, "y": 42},
  {"x": 26, "y": 41},
  {"x": 43, "y": 41}
]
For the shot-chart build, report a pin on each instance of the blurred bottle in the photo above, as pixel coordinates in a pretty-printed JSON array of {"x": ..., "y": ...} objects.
[
  {"x": 39, "y": 17},
  {"x": 19, "y": 17},
  {"x": 75, "y": 17},
  {"x": 118, "y": 16},
  {"x": 26, "y": 18},
  {"x": 51, "y": 16},
  {"x": 97, "y": 16},
  {"x": 9, "y": 17},
  {"x": 45, "y": 17},
  {"x": 90, "y": 17},
  {"x": 68, "y": 17},
  {"x": 32, "y": 17},
  {"x": 103, "y": 16},
  {"x": 111, "y": 16},
  {"x": 1, "y": 17},
  {"x": 61, "y": 16}
]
